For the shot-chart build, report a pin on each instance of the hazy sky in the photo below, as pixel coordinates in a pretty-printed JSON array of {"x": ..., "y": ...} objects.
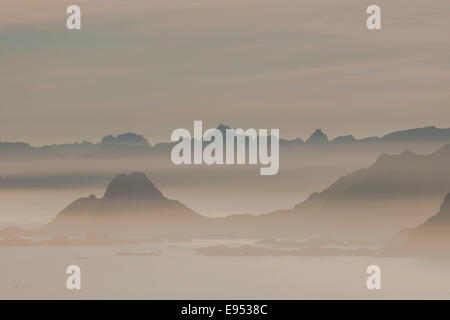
[{"x": 153, "y": 66}]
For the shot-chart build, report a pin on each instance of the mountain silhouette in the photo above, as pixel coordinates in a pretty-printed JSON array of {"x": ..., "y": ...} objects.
[
  {"x": 130, "y": 144},
  {"x": 127, "y": 196},
  {"x": 129, "y": 139},
  {"x": 348, "y": 139},
  {"x": 433, "y": 236},
  {"x": 418, "y": 134},
  {"x": 23, "y": 150},
  {"x": 135, "y": 186},
  {"x": 113, "y": 150},
  {"x": 429, "y": 134},
  {"x": 443, "y": 216},
  {"x": 318, "y": 137},
  {"x": 406, "y": 174},
  {"x": 396, "y": 192},
  {"x": 223, "y": 128},
  {"x": 120, "y": 146},
  {"x": 438, "y": 222}
]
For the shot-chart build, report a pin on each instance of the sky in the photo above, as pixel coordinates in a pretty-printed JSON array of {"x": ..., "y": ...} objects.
[{"x": 153, "y": 66}]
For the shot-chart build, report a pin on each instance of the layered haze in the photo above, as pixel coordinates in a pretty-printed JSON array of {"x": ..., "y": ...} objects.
[{"x": 86, "y": 176}]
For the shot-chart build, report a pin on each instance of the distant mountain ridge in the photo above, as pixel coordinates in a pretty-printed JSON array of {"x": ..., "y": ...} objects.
[
  {"x": 109, "y": 144},
  {"x": 426, "y": 133},
  {"x": 379, "y": 179},
  {"x": 129, "y": 139},
  {"x": 399, "y": 189}
]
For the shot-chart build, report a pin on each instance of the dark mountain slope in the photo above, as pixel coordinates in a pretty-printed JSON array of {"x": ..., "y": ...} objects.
[{"x": 130, "y": 200}]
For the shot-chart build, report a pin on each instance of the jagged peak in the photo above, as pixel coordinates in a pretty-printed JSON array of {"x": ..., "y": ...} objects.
[
  {"x": 223, "y": 127},
  {"x": 317, "y": 137}
]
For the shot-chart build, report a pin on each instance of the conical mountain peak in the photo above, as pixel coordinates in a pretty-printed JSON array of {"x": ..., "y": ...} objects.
[
  {"x": 318, "y": 137},
  {"x": 223, "y": 128},
  {"x": 135, "y": 185}
]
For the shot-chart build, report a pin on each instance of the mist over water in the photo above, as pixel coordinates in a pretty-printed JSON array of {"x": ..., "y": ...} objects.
[
  {"x": 86, "y": 176},
  {"x": 178, "y": 273}
]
